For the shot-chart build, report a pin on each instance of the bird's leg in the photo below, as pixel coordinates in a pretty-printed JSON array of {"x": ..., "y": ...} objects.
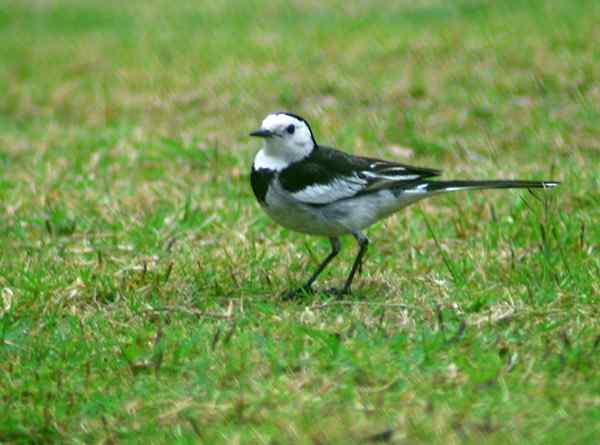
[
  {"x": 363, "y": 243},
  {"x": 335, "y": 249}
]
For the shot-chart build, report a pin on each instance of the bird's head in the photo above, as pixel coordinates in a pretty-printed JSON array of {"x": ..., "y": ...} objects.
[{"x": 286, "y": 136}]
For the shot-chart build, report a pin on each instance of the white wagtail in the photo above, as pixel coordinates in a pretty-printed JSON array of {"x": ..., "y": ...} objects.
[{"x": 319, "y": 190}]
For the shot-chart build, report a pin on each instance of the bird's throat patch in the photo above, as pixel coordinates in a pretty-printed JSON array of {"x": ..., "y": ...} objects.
[{"x": 260, "y": 180}]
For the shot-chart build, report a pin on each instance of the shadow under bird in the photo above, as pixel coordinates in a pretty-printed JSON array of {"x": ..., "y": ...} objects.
[{"x": 313, "y": 189}]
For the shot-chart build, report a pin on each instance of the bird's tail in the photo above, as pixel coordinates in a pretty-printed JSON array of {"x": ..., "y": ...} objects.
[
  {"x": 451, "y": 186},
  {"x": 411, "y": 193}
]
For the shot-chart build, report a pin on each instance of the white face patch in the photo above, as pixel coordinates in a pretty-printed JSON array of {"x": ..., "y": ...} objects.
[
  {"x": 265, "y": 160},
  {"x": 292, "y": 139}
]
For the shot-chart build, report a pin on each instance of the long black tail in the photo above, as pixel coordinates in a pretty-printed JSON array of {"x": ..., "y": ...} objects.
[{"x": 451, "y": 186}]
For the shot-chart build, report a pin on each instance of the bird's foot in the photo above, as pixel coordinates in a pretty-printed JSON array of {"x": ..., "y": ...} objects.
[
  {"x": 338, "y": 293},
  {"x": 295, "y": 294}
]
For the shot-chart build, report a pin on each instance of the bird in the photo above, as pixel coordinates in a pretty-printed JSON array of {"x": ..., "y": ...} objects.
[{"x": 318, "y": 190}]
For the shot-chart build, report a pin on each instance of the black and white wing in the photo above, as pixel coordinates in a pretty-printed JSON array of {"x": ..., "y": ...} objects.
[{"x": 329, "y": 175}]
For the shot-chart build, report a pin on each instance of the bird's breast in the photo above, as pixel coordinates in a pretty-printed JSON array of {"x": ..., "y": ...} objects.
[
  {"x": 287, "y": 211},
  {"x": 260, "y": 179}
]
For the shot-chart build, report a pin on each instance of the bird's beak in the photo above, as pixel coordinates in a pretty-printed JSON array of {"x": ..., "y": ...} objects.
[{"x": 262, "y": 133}]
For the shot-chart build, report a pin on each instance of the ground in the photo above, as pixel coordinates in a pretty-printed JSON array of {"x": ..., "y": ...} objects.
[{"x": 140, "y": 280}]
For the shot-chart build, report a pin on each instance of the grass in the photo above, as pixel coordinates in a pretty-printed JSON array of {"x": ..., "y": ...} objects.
[{"x": 139, "y": 279}]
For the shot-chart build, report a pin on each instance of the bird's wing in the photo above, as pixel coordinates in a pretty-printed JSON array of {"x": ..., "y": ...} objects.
[
  {"x": 386, "y": 174},
  {"x": 328, "y": 175}
]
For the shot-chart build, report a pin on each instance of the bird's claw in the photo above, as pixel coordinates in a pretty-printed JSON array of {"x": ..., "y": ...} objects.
[
  {"x": 339, "y": 294},
  {"x": 295, "y": 294}
]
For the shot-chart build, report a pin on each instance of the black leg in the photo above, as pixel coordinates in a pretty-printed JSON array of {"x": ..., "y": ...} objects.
[
  {"x": 335, "y": 249},
  {"x": 363, "y": 243}
]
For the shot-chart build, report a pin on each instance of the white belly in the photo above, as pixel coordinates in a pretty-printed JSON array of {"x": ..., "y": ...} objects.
[
  {"x": 299, "y": 217},
  {"x": 341, "y": 217}
]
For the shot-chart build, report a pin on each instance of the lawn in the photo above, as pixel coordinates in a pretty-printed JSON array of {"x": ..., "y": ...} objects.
[{"x": 140, "y": 281}]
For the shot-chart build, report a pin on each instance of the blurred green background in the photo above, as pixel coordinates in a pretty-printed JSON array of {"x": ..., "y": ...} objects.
[{"x": 139, "y": 279}]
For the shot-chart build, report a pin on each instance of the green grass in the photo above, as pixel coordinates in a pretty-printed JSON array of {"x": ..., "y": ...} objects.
[{"x": 139, "y": 279}]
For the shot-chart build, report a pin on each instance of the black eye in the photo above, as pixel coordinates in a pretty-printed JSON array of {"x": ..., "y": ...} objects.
[{"x": 290, "y": 129}]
